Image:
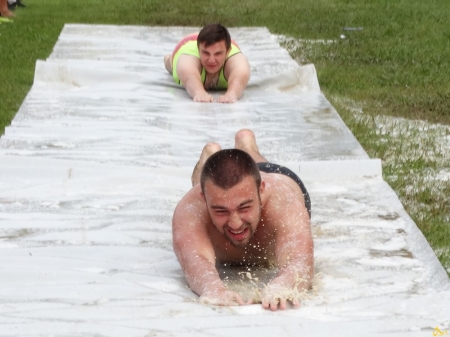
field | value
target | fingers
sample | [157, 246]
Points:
[270, 305]
[204, 98]
[279, 303]
[273, 304]
[226, 99]
[275, 298]
[282, 303]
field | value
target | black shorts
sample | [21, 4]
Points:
[275, 168]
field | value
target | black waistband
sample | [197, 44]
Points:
[275, 168]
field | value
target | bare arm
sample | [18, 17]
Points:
[237, 71]
[188, 70]
[195, 253]
[294, 253]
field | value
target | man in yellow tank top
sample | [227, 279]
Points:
[209, 60]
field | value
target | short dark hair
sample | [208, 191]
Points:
[226, 168]
[214, 33]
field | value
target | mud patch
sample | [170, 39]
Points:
[389, 216]
[389, 253]
[20, 233]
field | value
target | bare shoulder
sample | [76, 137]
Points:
[190, 207]
[283, 201]
[237, 62]
[282, 188]
[189, 225]
[188, 63]
[238, 58]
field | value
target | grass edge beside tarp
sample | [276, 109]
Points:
[426, 200]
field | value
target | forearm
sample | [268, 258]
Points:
[297, 274]
[203, 279]
[194, 87]
[236, 86]
[202, 275]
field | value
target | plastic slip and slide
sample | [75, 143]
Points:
[102, 150]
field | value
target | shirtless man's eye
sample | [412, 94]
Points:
[221, 211]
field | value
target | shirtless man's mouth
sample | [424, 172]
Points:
[239, 237]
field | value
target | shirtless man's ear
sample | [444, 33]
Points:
[262, 187]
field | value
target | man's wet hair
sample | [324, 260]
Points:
[227, 168]
[213, 33]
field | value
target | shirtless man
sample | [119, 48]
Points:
[244, 210]
[209, 60]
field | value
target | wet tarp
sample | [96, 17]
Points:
[102, 150]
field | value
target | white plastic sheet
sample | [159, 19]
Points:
[101, 151]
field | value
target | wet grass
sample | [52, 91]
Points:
[397, 66]
[415, 156]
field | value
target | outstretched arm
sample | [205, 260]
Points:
[295, 257]
[195, 253]
[188, 70]
[237, 71]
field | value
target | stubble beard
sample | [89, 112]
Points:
[252, 230]
[239, 244]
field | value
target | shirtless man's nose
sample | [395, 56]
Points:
[235, 222]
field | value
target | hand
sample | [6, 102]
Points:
[222, 297]
[227, 98]
[203, 97]
[274, 295]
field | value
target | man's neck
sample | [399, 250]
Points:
[212, 75]
[211, 80]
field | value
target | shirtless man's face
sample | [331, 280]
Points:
[213, 57]
[235, 212]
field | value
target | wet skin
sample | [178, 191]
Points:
[237, 226]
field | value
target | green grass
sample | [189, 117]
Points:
[398, 65]
[414, 155]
